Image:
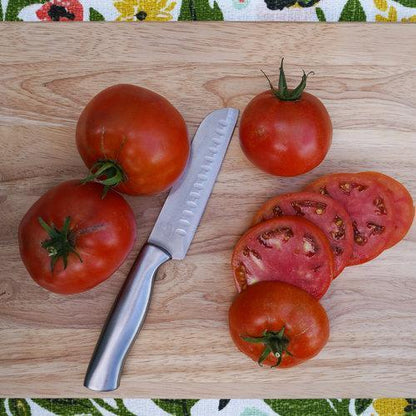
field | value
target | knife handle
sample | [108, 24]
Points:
[124, 321]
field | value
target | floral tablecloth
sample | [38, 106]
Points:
[223, 407]
[239, 10]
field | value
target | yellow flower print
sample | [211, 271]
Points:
[138, 10]
[392, 16]
[411, 19]
[381, 5]
[390, 407]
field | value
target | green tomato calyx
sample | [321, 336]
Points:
[283, 92]
[61, 242]
[106, 172]
[274, 342]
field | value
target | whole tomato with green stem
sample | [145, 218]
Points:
[72, 239]
[277, 324]
[285, 132]
[132, 139]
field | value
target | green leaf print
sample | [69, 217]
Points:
[320, 14]
[311, 407]
[19, 407]
[200, 10]
[2, 401]
[68, 407]
[353, 12]
[361, 405]
[176, 407]
[120, 408]
[14, 7]
[407, 3]
[95, 16]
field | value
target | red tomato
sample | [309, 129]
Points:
[71, 239]
[133, 139]
[402, 203]
[328, 214]
[285, 132]
[287, 249]
[370, 207]
[278, 324]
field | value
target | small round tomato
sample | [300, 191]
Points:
[133, 139]
[278, 324]
[285, 132]
[71, 239]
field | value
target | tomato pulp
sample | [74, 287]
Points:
[288, 249]
[328, 214]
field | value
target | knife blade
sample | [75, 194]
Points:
[170, 238]
[183, 209]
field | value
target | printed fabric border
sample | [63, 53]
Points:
[208, 407]
[236, 10]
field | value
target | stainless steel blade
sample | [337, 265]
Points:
[183, 208]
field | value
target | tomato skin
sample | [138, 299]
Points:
[141, 131]
[104, 231]
[285, 138]
[270, 306]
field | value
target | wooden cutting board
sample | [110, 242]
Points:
[365, 75]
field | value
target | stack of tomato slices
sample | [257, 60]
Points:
[298, 244]
[307, 238]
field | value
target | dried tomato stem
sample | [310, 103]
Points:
[283, 92]
[274, 342]
[60, 242]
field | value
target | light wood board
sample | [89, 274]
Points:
[365, 75]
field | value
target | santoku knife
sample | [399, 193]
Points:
[170, 239]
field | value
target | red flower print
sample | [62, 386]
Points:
[61, 10]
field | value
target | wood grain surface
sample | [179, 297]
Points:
[365, 75]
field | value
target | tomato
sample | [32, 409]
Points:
[370, 207]
[325, 212]
[285, 132]
[278, 324]
[71, 239]
[132, 139]
[403, 206]
[289, 249]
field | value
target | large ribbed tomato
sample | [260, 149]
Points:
[132, 139]
[278, 324]
[72, 239]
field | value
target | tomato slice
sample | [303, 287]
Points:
[370, 207]
[404, 210]
[328, 214]
[287, 249]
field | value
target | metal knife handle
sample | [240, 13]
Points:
[124, 321]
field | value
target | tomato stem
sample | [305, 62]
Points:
[275, 342]
[283, 92]
[106, 172]
[60, 243]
